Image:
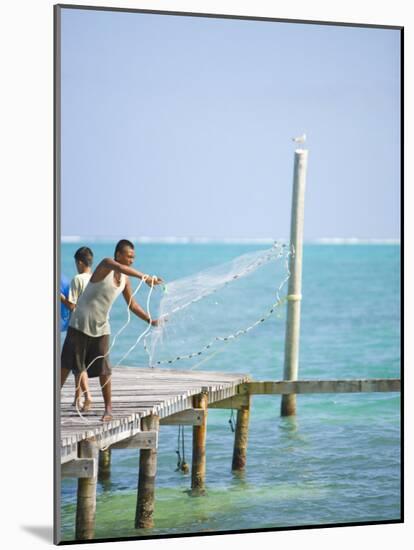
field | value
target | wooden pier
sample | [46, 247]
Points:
[138, 393]
[145, 399]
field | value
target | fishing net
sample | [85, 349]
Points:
[200, 313]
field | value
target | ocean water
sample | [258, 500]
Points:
[337, 461]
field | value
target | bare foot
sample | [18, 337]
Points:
[107, 416]
[87, 405]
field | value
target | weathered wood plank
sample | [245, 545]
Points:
[320, 386]
[236, 402]
[80, 468]
[69, 450]
[141, 440]
[189, 417]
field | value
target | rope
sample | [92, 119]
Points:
[115, 338]
[181, 463]
[231, 421]
[294, 297]
[145, 331]
[178, 450]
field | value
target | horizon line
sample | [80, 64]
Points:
[67, 239]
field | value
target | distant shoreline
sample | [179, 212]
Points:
[206, 240]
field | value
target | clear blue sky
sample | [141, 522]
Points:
[181, 126]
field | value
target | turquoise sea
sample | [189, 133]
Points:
[337, 461]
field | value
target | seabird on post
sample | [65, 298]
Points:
[300, 139]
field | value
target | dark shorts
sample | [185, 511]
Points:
[79, 350]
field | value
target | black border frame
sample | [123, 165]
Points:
[56, 267]
[56, 264]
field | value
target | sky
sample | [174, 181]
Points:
[182, 126]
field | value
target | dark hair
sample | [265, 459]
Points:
[123, 243]
[84, 255]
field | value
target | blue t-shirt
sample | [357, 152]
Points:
[64, 311]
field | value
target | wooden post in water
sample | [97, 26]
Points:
[146, 478]
[291, 365]
[86, 501]
[104, 470]
[198, 465]
[240, 438]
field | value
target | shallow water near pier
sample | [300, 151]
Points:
[337, 461]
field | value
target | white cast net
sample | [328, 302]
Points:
[215, 307]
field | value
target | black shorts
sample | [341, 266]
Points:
[82, 353]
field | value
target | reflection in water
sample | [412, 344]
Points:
[289, 429]
[106, 484]
[239, 478]
[288, 424]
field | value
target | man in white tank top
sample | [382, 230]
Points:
[87, 341]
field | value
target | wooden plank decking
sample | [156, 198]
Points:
[136, 393]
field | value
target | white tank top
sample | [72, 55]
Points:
[91, 315]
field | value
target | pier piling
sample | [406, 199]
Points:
[198, 466]
[86, 497]
[104, 470]
[146, 478]
[291, 364]
[240, 438]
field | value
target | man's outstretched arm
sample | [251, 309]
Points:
[111, 264]
[135, 307]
